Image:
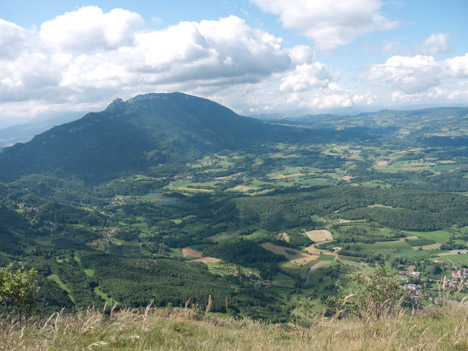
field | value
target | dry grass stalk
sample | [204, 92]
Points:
[435, 328]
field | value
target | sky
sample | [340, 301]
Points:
[253, 56]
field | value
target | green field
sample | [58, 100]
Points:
[439, 236]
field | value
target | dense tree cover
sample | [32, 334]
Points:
[411, 210]
[399, 218]
[137, 281]
[63, 213]
[247, 253]
[131, 279]
[15, 231]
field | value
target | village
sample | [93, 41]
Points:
[445, 290]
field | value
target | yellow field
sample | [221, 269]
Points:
[430, 247]
[188, 251]
[313, 250]
[298, 258]
[208, 259]
[290, 175]
[319, 235]
[243, 188]
[379, 205]
[195, 189]
[454, 252]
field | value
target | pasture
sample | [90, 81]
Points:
[189, 252]
[208, 260]
[319, 235]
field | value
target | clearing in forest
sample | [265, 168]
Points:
[292, 255]
[244, 188]
[454, 252]
[319, 235]
[196, 190]
[188, 251]
[208, 259]
[430, 247]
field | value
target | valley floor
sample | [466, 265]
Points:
[436, 328]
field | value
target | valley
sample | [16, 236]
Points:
[260, 221]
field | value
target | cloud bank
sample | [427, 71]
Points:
[83, 59]
[88, 57]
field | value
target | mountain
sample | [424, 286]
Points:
[137, 135]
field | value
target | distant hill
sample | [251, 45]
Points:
[148, 131]
[440, 116]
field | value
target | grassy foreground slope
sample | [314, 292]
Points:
[438, 328]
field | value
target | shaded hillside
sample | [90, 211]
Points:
[133, 136]
[13, 231]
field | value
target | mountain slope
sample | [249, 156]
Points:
[133, 136]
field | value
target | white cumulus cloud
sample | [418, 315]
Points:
[408, 74]
[13, 40]
[456, 67]
[436, 44]
[89, 28]
[86, 58]
[329, 23]
[306, 77]
[416, 74]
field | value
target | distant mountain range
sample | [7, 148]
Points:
[396, 118]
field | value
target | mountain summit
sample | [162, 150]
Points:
[131, 136]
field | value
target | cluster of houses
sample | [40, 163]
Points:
[460, 273]
[266, 283]
[22, 206]
[457, 281]
[347, 178]
[236, 273]
[415, 290]
[118, 201]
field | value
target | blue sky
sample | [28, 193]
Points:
[254, 56]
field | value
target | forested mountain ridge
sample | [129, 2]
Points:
[133, 136]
